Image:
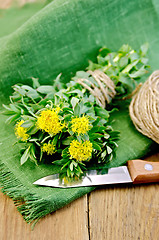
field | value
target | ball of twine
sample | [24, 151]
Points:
[144, 108]
[103, 88]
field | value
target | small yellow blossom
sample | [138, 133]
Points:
[80, 151]
[80, 125]
[57, 109]
[49, 121]
[20, 132]
[49, 148]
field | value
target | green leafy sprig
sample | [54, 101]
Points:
[66, 126]
[125, 67]
[27, 105]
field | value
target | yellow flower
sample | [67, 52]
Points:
[80, 125]
[20, 132]
[49, 122]
[49, 148]
[80, 151]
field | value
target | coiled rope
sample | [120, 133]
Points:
[103, 88]
[144, 108]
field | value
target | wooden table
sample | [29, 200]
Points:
[109, 213]
[6, 3]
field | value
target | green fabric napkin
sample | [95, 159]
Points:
[62, 37]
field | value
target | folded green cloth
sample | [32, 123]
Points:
[62, 37]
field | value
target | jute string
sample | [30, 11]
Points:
[103, 89]
[144, 108]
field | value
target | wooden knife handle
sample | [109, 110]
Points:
[143, 171]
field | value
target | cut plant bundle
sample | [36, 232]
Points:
[69, 125]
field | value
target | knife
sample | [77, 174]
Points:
[136, 172]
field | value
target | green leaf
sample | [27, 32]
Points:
[33, 139]
[104, 51]
[96, 146]
[28, 118]
[65, 165]
[101, 112]
[33, 130]
[67, 109]
[97, 129]
[75, 163]
[41, 155]
[67, 140]
[30, 110]
[81, 74]
[144, 49]
[45, 89]
[57, 84]
[109, 150]
[14, 108]
[139, 73]
[68, 117]
[123, 61]
[95, 135]
[106, 135]
[125, 48]
[25, 156]
[12, 118]
[45, 138]
[36, 83]
[103, 154]
[6, 107]
[92, 66]
[55, 139]
[71, 166]
[76, 91]
[130, 66]
[77, 110]
[32, 151]
[68, 172]
[65, 152]
[127, 83]
[133, 56]
[28, 124]
[33, 94]
[74, 102]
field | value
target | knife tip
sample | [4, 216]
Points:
[35, 183]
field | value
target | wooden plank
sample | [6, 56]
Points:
[70, 222]
[125, 213]
[7, 3]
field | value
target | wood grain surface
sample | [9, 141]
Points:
[112, 213]
[7, 3]
[69, 223]
[109, 213]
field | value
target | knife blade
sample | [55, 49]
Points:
[136, 172]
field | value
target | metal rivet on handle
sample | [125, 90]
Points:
[148, 167]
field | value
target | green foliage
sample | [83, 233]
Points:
[125, 67]
[78, 119]
[28, 102]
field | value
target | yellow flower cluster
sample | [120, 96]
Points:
[49, 148]
[80, 125]
[80, 151]
[49, 121]
[20, 132]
